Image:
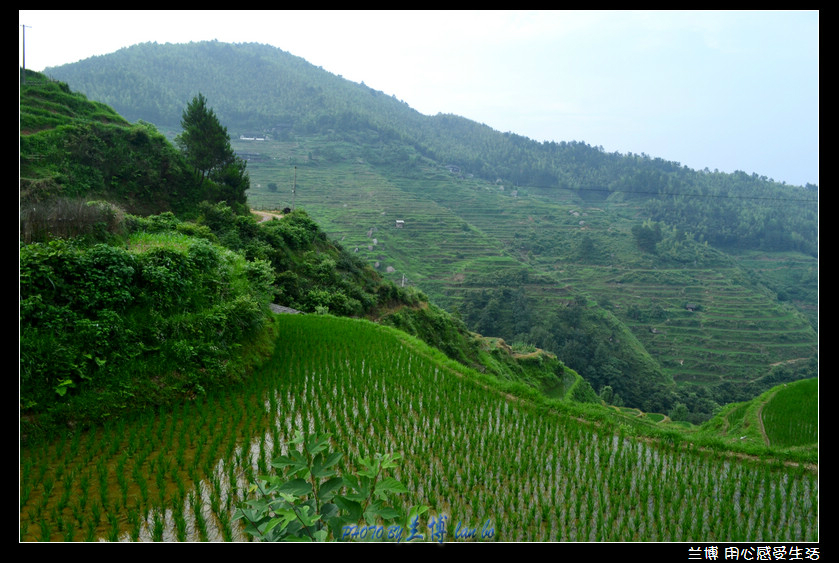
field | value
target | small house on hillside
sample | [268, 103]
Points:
[400, 223]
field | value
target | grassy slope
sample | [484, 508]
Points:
[448, 250]
[461, 234]
[784, 418]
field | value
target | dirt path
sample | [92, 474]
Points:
[792, 361]
[266, 216]
[760, 419]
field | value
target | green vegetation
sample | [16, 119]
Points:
[305, 504]
[258, 88]
[486, 216]
[536, 469]
[105, 328]
[784, 418]
[206, 147]
[511, 267]
[128, 312]
[71, 147]
[156, 385]
[791, 416]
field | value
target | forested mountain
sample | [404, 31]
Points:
[659, 284]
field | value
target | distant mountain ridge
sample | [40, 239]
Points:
[253, 86]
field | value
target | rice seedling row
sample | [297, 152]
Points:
[474, 454]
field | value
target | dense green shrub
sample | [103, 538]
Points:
[111, 327]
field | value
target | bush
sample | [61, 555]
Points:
[167, 316]
[309, 501]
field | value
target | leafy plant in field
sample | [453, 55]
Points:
[309, 501]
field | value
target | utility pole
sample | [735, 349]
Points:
[23, 78]
[294, 188]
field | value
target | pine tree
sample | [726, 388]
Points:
[206, 147]
[204, 140]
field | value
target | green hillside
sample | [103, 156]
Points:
[126, 311]
[636, 272]
[263, 91]
[784, 417]
[72, 147]
[156, 383]
[512, 262]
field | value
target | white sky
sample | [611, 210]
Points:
[722, 90]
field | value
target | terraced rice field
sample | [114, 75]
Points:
[460, 234]
[471, 452]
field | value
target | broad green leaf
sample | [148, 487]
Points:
[291, 499]
[249, 514]
[332, 459]
[384, 512]
[282, 519]
[316, 444]
[298, 438]
[320, 469]
[350, 506]
[307, 516]
[281, 462]
[391, 485]
[351, 481]
[328, 487]
[297, 487]
[388, 461]
[329, 511]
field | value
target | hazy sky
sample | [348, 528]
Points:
[722, 90]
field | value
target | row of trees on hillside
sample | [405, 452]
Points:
[729, 210]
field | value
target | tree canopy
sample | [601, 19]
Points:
[206, 147]
[204, 140]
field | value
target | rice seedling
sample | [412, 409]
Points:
[158, 526]
[134, 524]
[197, 504]
[90, 531]
[180, 526]
[69, 533]
[113, 530]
